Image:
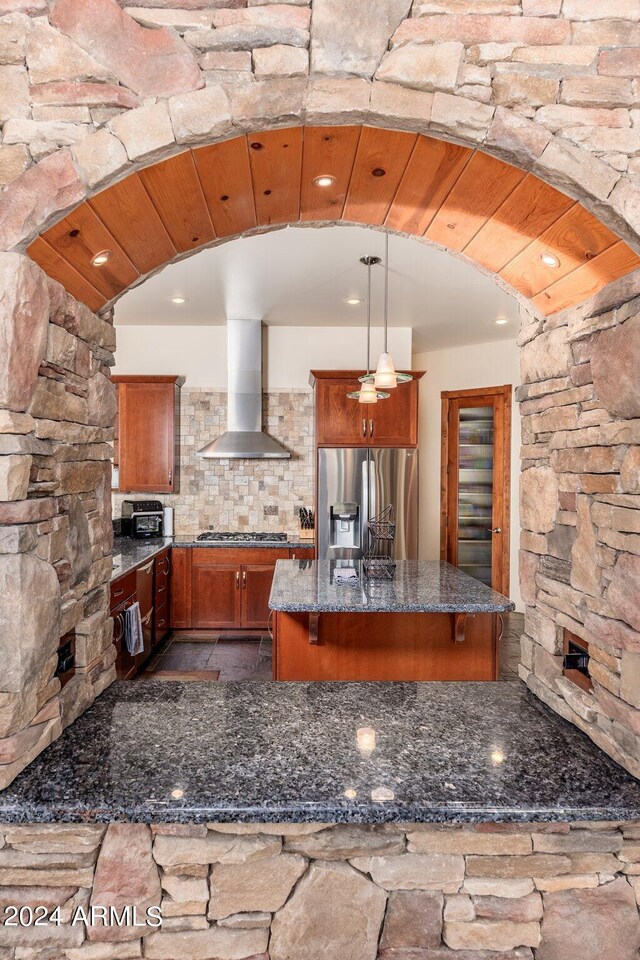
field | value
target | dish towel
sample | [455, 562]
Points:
[133, 630]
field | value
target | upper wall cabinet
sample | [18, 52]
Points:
[342, 422]
[148, 434]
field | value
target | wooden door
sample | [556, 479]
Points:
[216, 596]
[180, 588]
[147, 437]
[256, 587]
[476, 483]
[339, 420]
[394, 422]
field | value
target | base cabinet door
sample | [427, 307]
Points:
[256, 587]
[216, 596]
[125, 662]
[180, 588]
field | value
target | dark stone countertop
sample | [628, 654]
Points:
[135, 552]
[252, 544]
[157, 751]
[418, 586]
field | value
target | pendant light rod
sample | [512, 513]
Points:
[386, 376]
[369, 262]
[386, 290]
[368, 392]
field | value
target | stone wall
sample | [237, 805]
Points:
[580, 514]
[288, 892]
[548, 84]
[56, 425]
[242, 494]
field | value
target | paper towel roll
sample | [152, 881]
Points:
[167, 521]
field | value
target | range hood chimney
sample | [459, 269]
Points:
[244, 439]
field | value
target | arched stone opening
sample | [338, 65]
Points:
[578, 508]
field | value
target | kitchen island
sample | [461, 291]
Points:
[430, 621]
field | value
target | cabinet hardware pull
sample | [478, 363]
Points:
[494, 529]
[293, 555]
[118, 593]
[170, 477]
[237, 579]
[168, 565]
[244, 579]
[364, 428]
[160, 590]
[370, 428]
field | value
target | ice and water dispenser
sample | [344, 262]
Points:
[344, 526]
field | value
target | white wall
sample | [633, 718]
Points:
[199, 353]
[481, 365]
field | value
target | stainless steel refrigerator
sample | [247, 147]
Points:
[356, 484]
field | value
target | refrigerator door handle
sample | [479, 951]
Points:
[364, 506]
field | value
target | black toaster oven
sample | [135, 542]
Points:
[141, 519]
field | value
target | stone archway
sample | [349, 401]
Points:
[580, 559]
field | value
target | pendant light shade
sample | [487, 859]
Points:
[368, 392]
[386, 377]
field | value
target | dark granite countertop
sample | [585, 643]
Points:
[157, 751]
[135, 552]
[418, 586]
[235, 544]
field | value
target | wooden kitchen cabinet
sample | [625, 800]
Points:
[216, 602]
[229, 587]
[123, 595]
[256, 587]
[180, 588]
[161, 597]
[148, 431]
[342, 422]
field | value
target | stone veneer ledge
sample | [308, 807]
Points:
[286, 891]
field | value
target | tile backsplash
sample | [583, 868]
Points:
[239, 495]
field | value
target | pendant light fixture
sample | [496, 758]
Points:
[386, 377]
[368, 392]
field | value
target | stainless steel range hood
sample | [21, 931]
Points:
[244, 440]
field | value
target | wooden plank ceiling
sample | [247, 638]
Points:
[464, 200]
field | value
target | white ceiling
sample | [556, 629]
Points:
[298, 276]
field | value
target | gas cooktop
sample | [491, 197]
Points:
[244, 537]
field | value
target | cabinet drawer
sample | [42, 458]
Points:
[212, 556]
[161, 622]
[122, 588]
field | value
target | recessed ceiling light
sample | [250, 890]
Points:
[549, 260]
[101, 258]
[352, 301]
[500, 321]
[325, 180]
[178, 299]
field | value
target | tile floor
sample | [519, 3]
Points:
[235, 659]
[250, 659]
